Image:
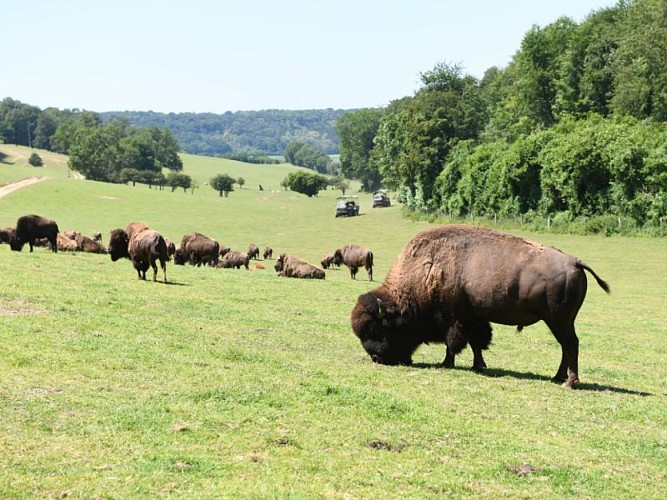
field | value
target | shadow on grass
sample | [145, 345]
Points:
[499, 372]
[175, 283]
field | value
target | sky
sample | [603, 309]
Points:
[217, 56]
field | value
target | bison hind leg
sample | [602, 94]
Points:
[480, 339]
[456, 341]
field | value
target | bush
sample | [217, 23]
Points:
[35, 160]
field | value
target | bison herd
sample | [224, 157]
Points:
[447, 286]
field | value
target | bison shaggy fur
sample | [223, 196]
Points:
[354, 257]
[449, 283]
[32, 227]
[144, 249]
[294, 267]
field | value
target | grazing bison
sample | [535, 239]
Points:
[354, 257]
[6, 233]
[293, 267]
[171, 248]
[197, 249]
[234, 259]
[144, 249]
[328, 260]
[31, 227]
[268, 253]
[253, 251]
[449, 283]
[89, 245]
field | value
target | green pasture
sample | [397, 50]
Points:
[242, 384]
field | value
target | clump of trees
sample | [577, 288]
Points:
[35, 160]
[223, 184]
[306, 183]
[573, 127]
[304, 155]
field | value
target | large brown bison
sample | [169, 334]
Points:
[31, 227]
[197, 249]
[234, 259]
[449, 283]
[144, 249]
[354, 257]
[294, 267]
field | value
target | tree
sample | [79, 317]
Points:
[96, 153]
[35, 160]
[223, 184]
[305, 155]
[131, 175]
[305, 183]
[356, 132]
[177, 180]
[240, 181]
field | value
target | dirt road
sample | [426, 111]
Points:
[16, 185]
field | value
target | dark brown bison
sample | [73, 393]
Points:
[144, 249]
[224, 250]
[449, 283]
[293, 267]
[354, 257]
[268, 253]
[6, 233]
[328, 260]
[234, 259]
[253, 251]
[197, 249]
[31, 227]
[88, 245]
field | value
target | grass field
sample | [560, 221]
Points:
[242, 384]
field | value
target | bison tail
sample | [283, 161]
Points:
[603, 284]
[369, 259]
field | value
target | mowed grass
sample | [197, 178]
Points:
[234, 383]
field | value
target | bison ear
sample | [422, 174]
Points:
[382, 309]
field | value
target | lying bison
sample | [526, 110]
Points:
[144, 249]
[354, 257]
[32, 227]
[293, 267]
[197, 249]
[451, 282]
[89, 245]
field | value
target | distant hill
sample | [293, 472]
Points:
[266, 131]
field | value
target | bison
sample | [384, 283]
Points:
[6, 233]
[197, 249]
[354, 257]
[144, 249]
[65, 244]
[253, 251]
[449, 283]
[293, 267]
[31, 227]
[268, 253]
[89, 245]
[234, 259]
[328, 261]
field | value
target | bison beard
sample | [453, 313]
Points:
[450, 283]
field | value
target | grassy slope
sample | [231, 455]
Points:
[235, 383]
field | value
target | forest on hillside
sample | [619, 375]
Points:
[571, 131]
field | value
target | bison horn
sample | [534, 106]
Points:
[382, 309]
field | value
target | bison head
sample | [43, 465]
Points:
[280, 263]
[383, 330]
[179, 256]
[16, 243]
[118, 245]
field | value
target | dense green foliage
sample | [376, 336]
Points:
[266, 131]
[307, 183]
[573, 127]
[223, 184]
[302, 154]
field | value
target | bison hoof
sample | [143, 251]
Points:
[478, 369]
[571, 383]
[448, 363]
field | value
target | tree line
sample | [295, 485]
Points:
[573, 127]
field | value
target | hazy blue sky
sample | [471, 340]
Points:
[217, 56]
